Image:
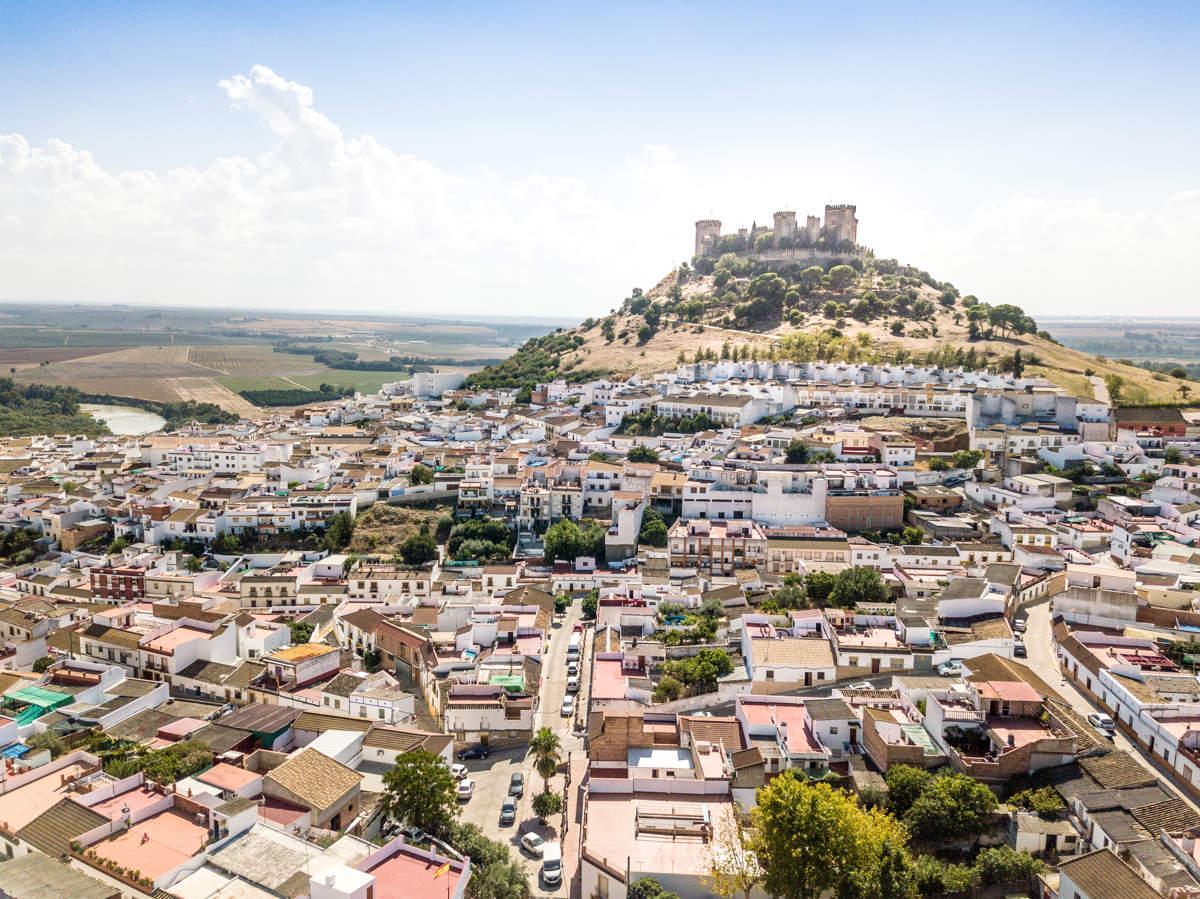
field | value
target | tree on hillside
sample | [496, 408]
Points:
[810, 279]
[421, 791]
[338, 532]
[858, 585]
[419, 548]
[1115, 385]
[841, 276]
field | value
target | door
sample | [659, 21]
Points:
[808, 678]
[874, 666]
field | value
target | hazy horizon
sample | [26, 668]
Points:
[544, 159]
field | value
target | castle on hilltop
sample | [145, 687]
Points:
[837, 236]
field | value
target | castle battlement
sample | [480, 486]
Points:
[837, 235]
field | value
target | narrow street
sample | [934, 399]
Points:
[492, 775]
[1043, 661]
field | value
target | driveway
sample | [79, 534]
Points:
[1039, 641]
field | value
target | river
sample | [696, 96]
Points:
[126, 420]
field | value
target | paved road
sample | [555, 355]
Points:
[492, 775]
[1042, 659]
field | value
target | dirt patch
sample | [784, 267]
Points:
[207, 390]
[382, 528]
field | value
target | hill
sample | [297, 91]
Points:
[859, 308]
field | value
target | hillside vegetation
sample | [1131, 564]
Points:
[855, 310]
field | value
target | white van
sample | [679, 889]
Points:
[552, 864]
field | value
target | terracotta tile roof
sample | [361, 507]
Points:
[792, 652]
[1117, 770]
[404, 740]
[315, 778]
[53, 830]
[727, 731]
[1101, 874]
[319, 722]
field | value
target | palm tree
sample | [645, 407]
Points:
[546, 747]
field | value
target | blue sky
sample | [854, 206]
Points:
[548, 157]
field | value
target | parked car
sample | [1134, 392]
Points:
[1019, 625]
[1102, 723]
[572, 685]
[552, 864]
[508, 811]
[473, 752]
[568, 706]
[413, 834]
[459, 771]
[532, 843]
[572, 668]
[952, 668]
[1019, 650]
[516, 784]
[466, 789]
[862, 685]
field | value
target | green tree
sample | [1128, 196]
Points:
[546, 805]
[701, 671]
[420, 474]
[589, 604]
[40, 665]
[338, 532]
[668, 690]
[642, 454]
[905, 785]
[1002, 864]
[419, 548]
[841, 276]
[654, 529]
[649, 888]
[797, 453]
[563, 541]
[810, 279]
[1173, 456]
[951, 806]
[421, 791]
[495, 874]
[546, 749]
[1045, 802]
[811, 838]
[858, 585]
[819, 585]
[301, 631]
[1115, 384]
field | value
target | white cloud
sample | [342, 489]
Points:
[321, 220]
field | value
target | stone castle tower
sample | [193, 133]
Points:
[785, 226]
[708, 234]
[840, 223]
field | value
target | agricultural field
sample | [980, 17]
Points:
[210, 355]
